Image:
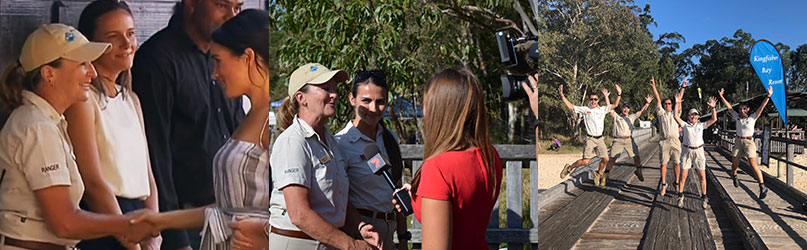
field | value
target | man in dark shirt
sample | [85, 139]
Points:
[187, 117]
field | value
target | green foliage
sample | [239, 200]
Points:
[586, 45]
[797, 73]
[407, 39]
[725, 64]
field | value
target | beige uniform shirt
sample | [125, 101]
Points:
[299, 157]
[667, 123]
[622, 127]
[35, 154]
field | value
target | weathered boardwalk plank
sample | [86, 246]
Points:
[774, 219]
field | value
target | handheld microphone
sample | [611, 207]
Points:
[379, 165]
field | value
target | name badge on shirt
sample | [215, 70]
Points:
[324, 159]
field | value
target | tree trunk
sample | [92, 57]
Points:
[397, 125]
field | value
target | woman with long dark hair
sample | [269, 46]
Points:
[369, 192]
[107, 129]
[241, 171]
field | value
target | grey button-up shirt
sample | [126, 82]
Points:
[367, 190]
[299, 157]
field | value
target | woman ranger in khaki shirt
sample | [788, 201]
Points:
[41, 185]
[310, 184]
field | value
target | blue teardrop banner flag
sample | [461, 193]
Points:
[767, 63]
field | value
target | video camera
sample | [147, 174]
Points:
[510, 55]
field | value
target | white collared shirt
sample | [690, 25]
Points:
[367, 190]
[35, 154]
[745, 126]
[693, 134]
[300, 158]
[594, 118]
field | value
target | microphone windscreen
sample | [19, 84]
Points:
[370, 150]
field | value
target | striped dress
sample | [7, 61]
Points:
[242, 182]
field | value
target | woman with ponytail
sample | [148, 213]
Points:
[458, 184]
[40, 184]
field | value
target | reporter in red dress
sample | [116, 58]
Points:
[458, 184]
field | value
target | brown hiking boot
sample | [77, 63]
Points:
[604, 177]
[597, 178]
[565, 171]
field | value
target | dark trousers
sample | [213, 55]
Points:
[126, 205]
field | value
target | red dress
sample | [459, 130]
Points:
[461, 177]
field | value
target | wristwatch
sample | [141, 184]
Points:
[407, 236]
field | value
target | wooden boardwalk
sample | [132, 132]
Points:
[630, 214]
[776, 219]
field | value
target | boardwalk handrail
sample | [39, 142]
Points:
[514, 158]
[726, 142]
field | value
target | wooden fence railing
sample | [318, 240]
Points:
[514, 159]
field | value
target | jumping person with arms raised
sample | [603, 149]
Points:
[744, 146]
[594, 117]
[693, 155]
[669, 145]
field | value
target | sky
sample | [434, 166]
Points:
[699, 21]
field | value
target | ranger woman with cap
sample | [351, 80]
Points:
[310, 182]
[693, 155]
[40, 184]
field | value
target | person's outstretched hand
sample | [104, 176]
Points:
[532, 93]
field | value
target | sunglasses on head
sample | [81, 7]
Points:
[363, 75]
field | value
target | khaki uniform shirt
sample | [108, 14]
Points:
[667, 123]
[35, 154]
[622, 127]
[299, 157]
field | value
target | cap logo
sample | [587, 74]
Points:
[312, 69]
[69, 36]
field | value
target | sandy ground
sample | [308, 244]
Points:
[549, 167]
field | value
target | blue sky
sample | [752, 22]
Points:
[699, 21]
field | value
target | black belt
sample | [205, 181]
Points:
[595, 137]
[378, 215]
[695, 147]
[33, 245]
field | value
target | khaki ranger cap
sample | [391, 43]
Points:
[53, 41]
[313, 73]
[694, 112]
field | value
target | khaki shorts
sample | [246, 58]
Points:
[744, 148]
[591, 145]
[620, 145]
[670, 149]
[693, 158]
